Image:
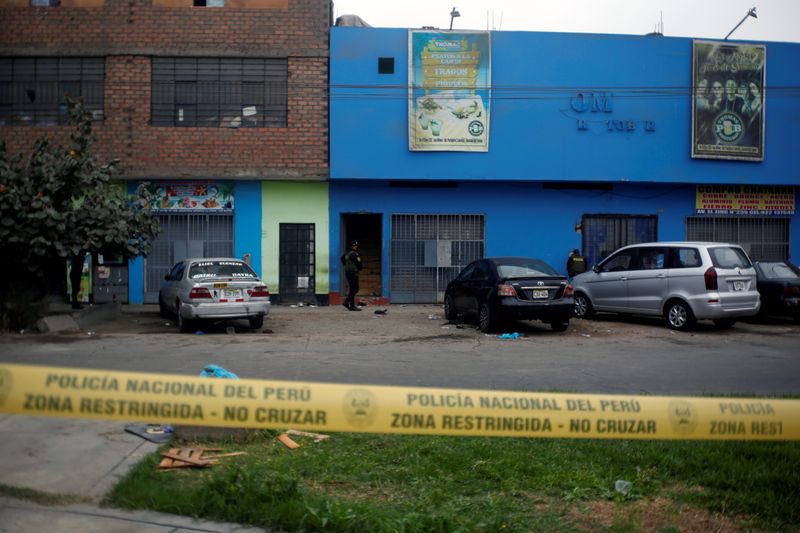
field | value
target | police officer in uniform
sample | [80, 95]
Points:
[576, 264]
[352, 265]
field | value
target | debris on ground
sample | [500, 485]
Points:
[151, 432]
[509, 336]
[266, 330]
[433, 317]
[214, 371]
[459, 326]
[585, 335]
[287, 441]
[381, 311]
[622, 486]
[316, 436]
[192, 457]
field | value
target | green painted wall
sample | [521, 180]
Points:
[300, 203]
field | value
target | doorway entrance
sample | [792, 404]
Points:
[366, 229]
[297, 263]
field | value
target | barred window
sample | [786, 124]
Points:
[33, 90]
[219, 92]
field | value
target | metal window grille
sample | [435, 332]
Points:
[602, 234]
[763, 238]
[219, 92]
[297, 264]
[428, 251]
[183, 236]
[33, 90]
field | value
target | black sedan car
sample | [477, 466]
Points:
[501, 289]
[779, 286]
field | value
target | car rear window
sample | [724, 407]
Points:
[778, 271]
[221, 269]
[729, 257]
[525, 269]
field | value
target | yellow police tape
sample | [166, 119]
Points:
[249, 403]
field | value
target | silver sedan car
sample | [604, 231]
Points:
[213, 289]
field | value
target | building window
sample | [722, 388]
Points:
[45, 3]
[385, 65]
[209, 3]
[33, 90]
[219, 92]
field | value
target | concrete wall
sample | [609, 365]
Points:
[534, 134]
[303, 203]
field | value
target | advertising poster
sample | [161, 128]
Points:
[745, 200]
[729, 99]
[449, 76]
[187, 196]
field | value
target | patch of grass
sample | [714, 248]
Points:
[42, 498]
[355, 482]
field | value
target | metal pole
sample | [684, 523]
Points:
[751, 13]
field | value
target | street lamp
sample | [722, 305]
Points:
[751, 13]
[453, 14]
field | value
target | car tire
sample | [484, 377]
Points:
[486, 321]
[163, 311]
[449, 308]
[724, 323]
[256, 322]
[583, 306]
[679, 316]
[184, 325]
[559, 326]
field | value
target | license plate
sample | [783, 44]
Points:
[232, 293]
[540, 293]
[738, 285]
[220, 285]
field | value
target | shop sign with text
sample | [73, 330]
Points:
[744, 200]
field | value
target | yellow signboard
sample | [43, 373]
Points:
[248, 403]
[744, 200]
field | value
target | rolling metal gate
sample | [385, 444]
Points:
[183, 236]
[602, 234]
[763, 238]
[428, 251]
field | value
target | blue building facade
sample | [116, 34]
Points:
[590, 147]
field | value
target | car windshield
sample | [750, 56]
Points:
[221, 269]
[524, 268]
[778, 271]
[729, 257]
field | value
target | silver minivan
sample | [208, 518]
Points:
[681, 281]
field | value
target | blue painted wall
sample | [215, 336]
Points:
[521, 218]
[534, 135]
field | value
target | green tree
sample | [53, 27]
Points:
[59, 202]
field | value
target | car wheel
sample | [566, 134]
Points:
[256, 322]
[583, 307]
[449, 308]
[679, 315]
[486, 320]
[184, 325]
[559, 326]
[163, 311]
[724, 323]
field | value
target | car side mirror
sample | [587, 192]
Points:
[596, 269]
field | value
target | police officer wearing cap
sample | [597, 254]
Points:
[352, 265]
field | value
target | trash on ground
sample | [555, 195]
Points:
[214, 371]
[293, 306]
[585, 335]
[198, 332]
[287, 441]
[433, 317]
[622, 486]
[167, 323]
[381, 311]
[266, 330]
[509, 336]
[90, 333]
[459, 326]
[316, 436]
[230, 330]
[445, 327]
[192, 457]
[151, 432]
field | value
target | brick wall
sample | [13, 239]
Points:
[128, 33]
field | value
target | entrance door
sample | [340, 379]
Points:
[297, 263]
[183, 236]
[366, 229]
[603, 234]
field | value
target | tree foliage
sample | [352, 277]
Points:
[61, 201]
